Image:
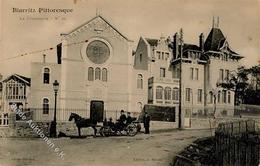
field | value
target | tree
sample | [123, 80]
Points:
[237, 82]
[255, 72]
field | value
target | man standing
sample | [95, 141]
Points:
[146, 121]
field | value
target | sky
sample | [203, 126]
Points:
[21, 33]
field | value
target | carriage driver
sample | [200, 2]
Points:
[128, 118]
[122, 118]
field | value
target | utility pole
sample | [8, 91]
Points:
[180, 81]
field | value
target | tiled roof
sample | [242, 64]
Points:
[214, 40]
[191, 47]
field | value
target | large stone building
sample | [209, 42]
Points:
[100, 74]
[94, 69]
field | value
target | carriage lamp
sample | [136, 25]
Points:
[53, 131]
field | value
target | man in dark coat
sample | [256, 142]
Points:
[146, 121]
[122, 119]
[128, 118]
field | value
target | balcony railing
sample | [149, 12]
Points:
[163, 80]
[16, 97]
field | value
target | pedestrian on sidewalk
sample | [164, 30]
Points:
[146, 121]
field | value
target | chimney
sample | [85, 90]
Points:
[202, 41]
[44, 58]
[176, 45]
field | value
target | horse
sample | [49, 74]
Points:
[82, 122]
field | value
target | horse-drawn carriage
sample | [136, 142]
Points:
[108, 129]
[117, 129]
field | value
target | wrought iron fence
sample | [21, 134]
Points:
[38, 114]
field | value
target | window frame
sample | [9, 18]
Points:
[90, 71]
[104, 74]
[199, 97]
[159, 93]
[45, 106]
[97, 73]
[188, 94]
[162, 72]
[139, 81]
[196, 74]
[191, 73]
[175, 94]
[167, 93]
[46, 74]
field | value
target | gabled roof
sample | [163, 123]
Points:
[214, 39]
[98, 16]
[24, 79]
[152, 42]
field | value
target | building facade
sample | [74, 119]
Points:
[99, 73]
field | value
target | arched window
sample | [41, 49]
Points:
[45, 106]
[175, 94]
[90, 74]
[97, 73]
[167, 93]
[159, 92]
[139, 81]
[104, 74]
[46, 76]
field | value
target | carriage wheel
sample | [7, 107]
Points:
[131, 130]
[101, 131]
[105, 131]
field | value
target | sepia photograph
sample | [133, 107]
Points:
[129, 83]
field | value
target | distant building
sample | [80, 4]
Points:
[99, 73]
[203, 68]
[15, 90]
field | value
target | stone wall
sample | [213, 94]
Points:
[22, 129]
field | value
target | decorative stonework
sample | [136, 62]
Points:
[98, 25]
[98, 52]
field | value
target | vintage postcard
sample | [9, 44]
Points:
[129, 83]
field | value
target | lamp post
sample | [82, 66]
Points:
[180, 126]
[53, 132]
